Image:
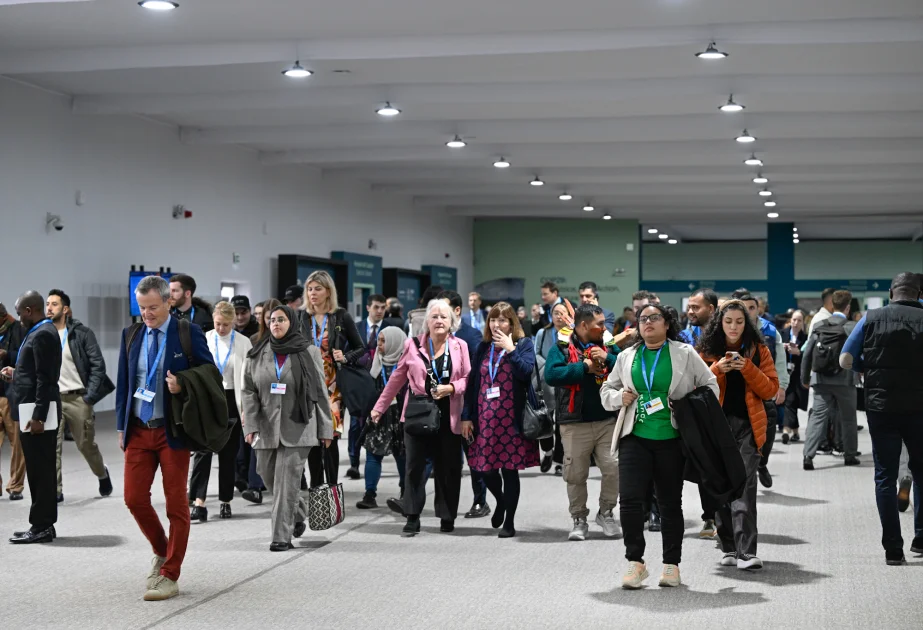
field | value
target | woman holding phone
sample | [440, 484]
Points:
[746, 373]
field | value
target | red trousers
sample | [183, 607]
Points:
[147, 449]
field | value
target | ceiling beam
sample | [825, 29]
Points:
[871, 203]
[553, 92]
[417, 47]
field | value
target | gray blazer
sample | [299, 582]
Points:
[271, 415]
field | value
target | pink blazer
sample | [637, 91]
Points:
[412, 368]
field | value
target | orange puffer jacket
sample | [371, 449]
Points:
[762, 384]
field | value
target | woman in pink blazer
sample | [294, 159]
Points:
[436, 365]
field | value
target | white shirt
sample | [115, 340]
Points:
[222, 350]
[70, 377]
[370, 323]
[820, 316]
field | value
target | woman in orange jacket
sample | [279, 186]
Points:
[733, 348]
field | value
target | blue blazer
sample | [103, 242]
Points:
[522, 360]
[174, 361]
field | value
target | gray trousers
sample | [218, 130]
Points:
[281, 468]
[737, 529]
[836, 404]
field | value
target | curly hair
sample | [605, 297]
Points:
[713, 342]
[669, 318]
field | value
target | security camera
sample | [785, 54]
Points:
[53, 221]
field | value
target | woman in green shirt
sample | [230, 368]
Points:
[647, 376]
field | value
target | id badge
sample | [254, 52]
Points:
[445, 374]
[145, 394]
[653, 406]
[493, 392]
[277, 389]
[791, 367]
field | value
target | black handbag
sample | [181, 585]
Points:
[358, 389]
[422, 415]
[536, 421]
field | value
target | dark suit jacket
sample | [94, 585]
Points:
[174, 361]
[38, 367]
[362, 327]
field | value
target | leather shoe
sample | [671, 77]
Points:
[411, 528]
[198, 513]
[808, 464]
[851, 461]
[253, 496]
[281, 546]
[353, 473]
[299, 530]
[765, 478]
[16, 496]
[61, 498]
[54, 534]
[225, 511]
[105, 485]
[368, 502]
[396, 506]
[29, 537]
[241, 485]
[917, 545]
[478, 510]
[446, 526]
[546, 463]
[654, 525]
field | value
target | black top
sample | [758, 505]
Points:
[735, 395]
[444, 366]
[892, 352]
[38, 367]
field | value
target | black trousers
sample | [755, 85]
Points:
[227, 468]
[737, 520]
[445, 449]
[767, 447]
[642, 461]
[554, 445]
[320, 455]
[710, 505]
[40, 452]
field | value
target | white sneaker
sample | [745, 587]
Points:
[156, 564]
[729, 559]
[608, 523]
[636, 574]
[749, 563]
[670, 576]
[163, 588]
[580, 530]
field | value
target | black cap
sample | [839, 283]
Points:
[240, 301]
[293, 293]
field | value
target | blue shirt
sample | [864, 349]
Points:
[141, 376]
[475, 319]
[854, 344]
[690, 335]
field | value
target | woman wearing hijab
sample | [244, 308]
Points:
[286, 414]
[386, 437]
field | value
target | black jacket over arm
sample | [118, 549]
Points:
[38, 368]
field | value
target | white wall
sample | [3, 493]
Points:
[132, 171]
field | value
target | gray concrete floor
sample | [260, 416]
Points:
[819, 538]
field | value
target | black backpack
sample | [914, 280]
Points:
[829, 338]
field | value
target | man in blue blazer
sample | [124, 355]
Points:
[146, 384]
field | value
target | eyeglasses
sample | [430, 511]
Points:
[656, 317]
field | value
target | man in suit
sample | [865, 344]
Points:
[475, 315]
[148, 363]
[35, 380]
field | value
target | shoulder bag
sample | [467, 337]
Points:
[536, 421]
[326, 508]
[422, 415]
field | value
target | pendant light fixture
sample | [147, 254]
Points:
[765, 193]
[588, 207]
[711, 53]
[796, 240]
[772, 215]
[297, 71]
[652, 230]
[537, 181]
[753, 161]
[731, 107]
[746, 138]
[607, 217]
[565, 196]
[158, 5]
[388, 111]
[759, 179]
[456, 143]
[672, 241]
[502, 162]
[663, 236]
[769, 204]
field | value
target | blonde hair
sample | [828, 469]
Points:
[224, 309]
[322, 278]
[440, 304]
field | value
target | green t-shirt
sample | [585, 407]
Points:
[653, 426]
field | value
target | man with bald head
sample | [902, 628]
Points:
[34, 388]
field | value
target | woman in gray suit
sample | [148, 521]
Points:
[286, 413]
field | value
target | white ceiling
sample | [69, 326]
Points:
[602, 98]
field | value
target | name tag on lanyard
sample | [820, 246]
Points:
[653, 406]
[277, 389]
[144, 394]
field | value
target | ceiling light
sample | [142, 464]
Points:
[731, 107]
[456, 143]
[772, 215]
[769, 204]
[652, 230]
[607, 217]
[502, 163]
[765, 193]
[794, 229]
[711, 52]
[387, 110]
[158, 5]
[537, 181]
[588, 207]
[565, 196]
[795, 241]
[759, 179]
[297, 71]
[753, 161]
[746, 138]
[672, 241]
[663, 236]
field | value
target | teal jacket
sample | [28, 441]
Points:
[576, 392]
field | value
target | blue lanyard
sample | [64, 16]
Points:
[384, 374]
[192, 313]
[152, 373]
[318, 335]
[223, 364]
[32, 330]
[432, 356]
[492, 368]
[64, 338]
[649, 377]
[279, 368]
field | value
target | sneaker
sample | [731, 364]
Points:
[156, 564]
[608, 523]
[748, 563]
[580, 530]
[851, 461]
[368, 502]
[252, 495]
[729, 559]
[708, 529]
[163, 588]
[634, 576]
[105, 485]
[670, 575]
[765, 478]
[903, 493]
[895, 559]
[808, 464]
[546, 461]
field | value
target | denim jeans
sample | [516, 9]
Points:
[353, 447]
[889, 431]
[373, 471]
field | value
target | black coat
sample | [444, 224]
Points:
[88, 359]
[10, 340]
[201, 314]
[713, 458]
[343, 334]
[38, 368]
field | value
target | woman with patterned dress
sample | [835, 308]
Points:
[496, 394]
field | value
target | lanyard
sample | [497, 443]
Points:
[492, 368]
[384, 374]
[64, 338]
[223, 364]
[152, 373]
[318, 335]
[32, 330]
[649, 377]
[192, 313]
[279, 368]
[432, 356]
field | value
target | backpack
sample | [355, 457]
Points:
[829, 338]
[185, 337]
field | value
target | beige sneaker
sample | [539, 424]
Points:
[163, 588]
[156, 565]
[670, 575]
[636, 574]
